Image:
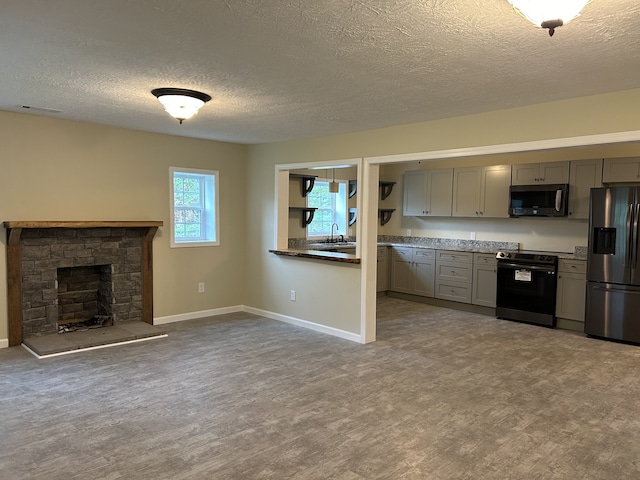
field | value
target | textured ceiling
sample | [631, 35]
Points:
[289, 69]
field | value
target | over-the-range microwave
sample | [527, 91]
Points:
[538, 200]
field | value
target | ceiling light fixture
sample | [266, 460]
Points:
[181, 103]
[549, 14]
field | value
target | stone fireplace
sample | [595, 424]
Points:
[66, 272]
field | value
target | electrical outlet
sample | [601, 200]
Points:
[351, 232]
[292, 295]
[201, 287]
[472, 236]
[408, 232]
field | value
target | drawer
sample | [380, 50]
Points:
[488, 259]
[453, 292]
[423, 254]
[451, 256]
[406, 253]
[572, 266]
[453, 272]
[382, 253]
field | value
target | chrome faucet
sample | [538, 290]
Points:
[333, 225]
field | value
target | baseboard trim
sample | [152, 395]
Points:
[336, 332]
[4, 343]
[181, 317]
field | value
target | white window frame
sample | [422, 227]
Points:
[210, 207]
[343, 224]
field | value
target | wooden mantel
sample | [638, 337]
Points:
[14, 261]
[74, 224]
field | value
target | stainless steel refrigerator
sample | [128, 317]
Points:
[613, 266]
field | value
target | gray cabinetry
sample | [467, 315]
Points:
[382, 271]
[412, 271]
[481, 191]
[427, 192]
[540, 173]
[572, 285]
[485, 279]
[621, 170]
[454, 275]
[583, 176]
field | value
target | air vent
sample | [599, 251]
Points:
[41, 109]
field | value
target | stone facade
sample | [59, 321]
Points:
[44, 251]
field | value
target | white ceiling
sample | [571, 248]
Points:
[289, 69]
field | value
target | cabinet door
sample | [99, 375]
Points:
[484, 285]
[621, 170]
[382, 278]
[571, 292]
[494, 191]
[415, 193]
[525, 174]
[424, 278]
[466, 192]
[584, 175]
[439, 193]
[554, 172]
[401, 277]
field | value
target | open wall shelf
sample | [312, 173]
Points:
[385, 188]
[307, 214]
[306, 182]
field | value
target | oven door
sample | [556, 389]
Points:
[526, 288]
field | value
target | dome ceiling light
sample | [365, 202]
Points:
[181, 103]
[549, 14]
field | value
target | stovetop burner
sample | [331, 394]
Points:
[529, 257]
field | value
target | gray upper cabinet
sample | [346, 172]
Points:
[481, 191]
[621, 170]
[428, 192]
[584, 175]
[540, 173]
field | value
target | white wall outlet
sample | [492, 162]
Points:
[351, 232]
[408, 232]
[201, 287]
[292, 295]
[472, 236]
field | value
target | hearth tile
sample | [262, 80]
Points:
[49, 344]
[141, 329]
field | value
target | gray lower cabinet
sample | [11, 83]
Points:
[485, 279]
[572, 285]
[382, 279]
[454, 275]
[412, 271]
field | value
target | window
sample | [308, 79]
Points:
[194, 207]
[331, 208]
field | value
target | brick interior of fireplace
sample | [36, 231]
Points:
[84, 293]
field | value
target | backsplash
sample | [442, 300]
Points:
[449, 243]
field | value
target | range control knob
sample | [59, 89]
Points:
[541, 258]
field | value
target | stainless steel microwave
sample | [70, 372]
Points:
[538, 200]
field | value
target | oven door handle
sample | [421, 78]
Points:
[516, 266]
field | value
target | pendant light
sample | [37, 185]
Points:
[549, 14]
[180, 103]
[333, 186]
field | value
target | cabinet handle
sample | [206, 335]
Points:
[476, 213]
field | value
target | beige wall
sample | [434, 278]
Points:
[60, 170]
[270, 278]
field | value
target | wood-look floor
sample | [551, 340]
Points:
[441, 395]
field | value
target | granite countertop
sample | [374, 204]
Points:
[326, 251]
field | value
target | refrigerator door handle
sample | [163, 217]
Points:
[628, 254]
[636, 234]
[613, 289]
